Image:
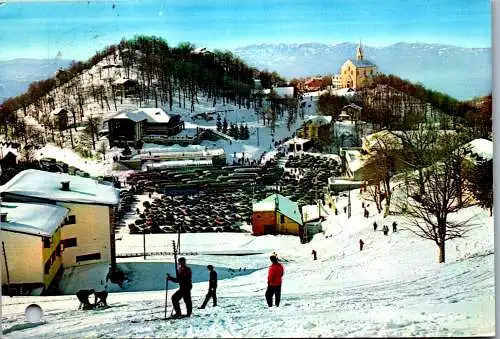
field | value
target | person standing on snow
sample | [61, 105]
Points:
[314, 254]
[212, 287]
[184, 291]
[274, 277]
[361, 243]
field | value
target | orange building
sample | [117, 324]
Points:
[276, 214]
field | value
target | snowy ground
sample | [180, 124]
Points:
[394, 287]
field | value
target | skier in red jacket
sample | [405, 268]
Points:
[274, 277]
[184, 291]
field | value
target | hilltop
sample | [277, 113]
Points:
[460, 72]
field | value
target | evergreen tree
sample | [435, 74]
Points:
[480, 181]
[219, 123]
[241, 133]
[247, 132]
[224, 126]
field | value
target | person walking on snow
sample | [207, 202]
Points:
[375, 225]
[274, 277]
[361, 243]
[184, 291]
[385, 229]
[314, 254]
[212, 287]
[394, 226]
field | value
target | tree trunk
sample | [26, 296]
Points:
[441, 252]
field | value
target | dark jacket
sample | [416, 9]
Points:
[183, 278]
[213, 279]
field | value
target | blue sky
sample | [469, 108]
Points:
[78, 28]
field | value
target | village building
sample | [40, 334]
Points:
[61, 117]
[276, 214]
[351, 112]
[31, 240]
[316, 128]
[130, 127]
[313, 84]
[88, 233]
[125, 87]
[297, 144]
[355, 73]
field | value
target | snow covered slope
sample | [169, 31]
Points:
[394, 287]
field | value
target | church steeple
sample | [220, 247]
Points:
[359, 51]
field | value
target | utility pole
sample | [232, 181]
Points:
[349, 203]
[7, 270]
[144, 243]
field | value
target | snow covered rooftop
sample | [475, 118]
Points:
[320, 119]
[47, 185]
[152, 115]
[354, 160]
[35, 219]
[285, 206]
[482, 147]
[296, 141]
[180, 163]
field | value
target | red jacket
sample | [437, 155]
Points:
[274, 275]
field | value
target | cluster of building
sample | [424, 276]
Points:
[52, 221]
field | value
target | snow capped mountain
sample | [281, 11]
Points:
[460, 72]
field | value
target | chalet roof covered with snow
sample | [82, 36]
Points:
[278, 202]
[481, 147]
[354, 106]
[35, 219]
[152, 115]
[320, 119]
[296, 141]
[47, 185]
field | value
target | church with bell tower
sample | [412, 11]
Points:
[356, 73]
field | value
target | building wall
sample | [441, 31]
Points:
[92, 233]
[52, 257]
[260, 219]
[354, 76]
[24, 258]
[288, 226]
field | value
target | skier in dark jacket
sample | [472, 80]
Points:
[184, 291]
[361, 244]
[314, 254]
[375, 225]
[212, 287]
[394, 227]
[274, 277]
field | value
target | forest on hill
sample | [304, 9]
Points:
[161, 72]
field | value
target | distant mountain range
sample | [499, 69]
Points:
[17, 74]
[460, 72]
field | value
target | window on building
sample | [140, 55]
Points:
[282, 219]
[71, 242]
[70, 220]
[86, 257]
[46, 242]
